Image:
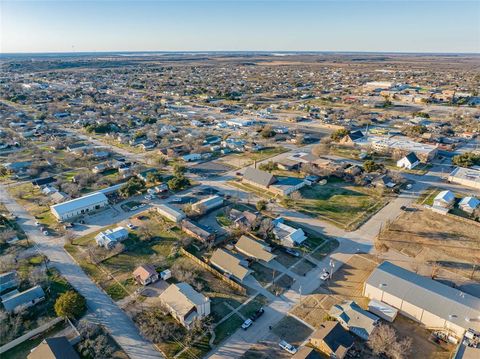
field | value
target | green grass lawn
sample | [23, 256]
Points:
[218, 309]
[342, 203]
[227, 328]
[198, 349]
[255, 304]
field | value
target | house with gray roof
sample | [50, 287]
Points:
[355, 319]
[25, 299]
[8, 280]
[278, 185]
[435, 305]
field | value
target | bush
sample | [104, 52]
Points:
[339, 134]
[261, 205]
[70, 305]
[467, 159]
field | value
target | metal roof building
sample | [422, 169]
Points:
[429, 302]
[79, 206]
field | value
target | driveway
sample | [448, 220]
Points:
[118, 324]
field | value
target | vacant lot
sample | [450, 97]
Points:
[341, 203]
[240, 160]
[346, 284]
[431, 237]
[292, 330]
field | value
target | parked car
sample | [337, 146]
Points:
[292, 252]
[131, 226]
[325, 275]
[288, 347]
[45, 233]
[37, 223]
[246, 324]
[257, 314]
[409, 186]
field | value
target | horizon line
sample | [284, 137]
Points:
[237, 51]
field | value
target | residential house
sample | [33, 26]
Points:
[230, 264]
[409, 162]
[423, 299]
[286, 234]
[469, 204]
[197, 231]
[40, 182]
[278, 185]
[351, 138]
[288, 164]
[384, 181]
[145, 274]
[54, 348]
[254, 248]
[445, 199]
[8, 280]
[111, 237]
[185, 304]
[21, 300]
[332, 340]
[355, 319]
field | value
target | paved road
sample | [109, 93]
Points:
[119, 325]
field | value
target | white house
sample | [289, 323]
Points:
[469, 204]
[444, 199]
[185, 303]
[111, 237]
[409, 161]
[192, 157]
[289, 236]
[79, 206]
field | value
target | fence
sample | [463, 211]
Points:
[30, 334]
[216, 273]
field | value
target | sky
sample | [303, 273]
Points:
[228, 25]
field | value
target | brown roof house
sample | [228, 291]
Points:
[185, 304]
[145, 274]
[230, 263]
[332, 339]
[54, 348]
[253, 248]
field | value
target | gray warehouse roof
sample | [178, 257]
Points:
[445, 302]
[82, 202]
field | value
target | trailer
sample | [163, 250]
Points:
[383, 310]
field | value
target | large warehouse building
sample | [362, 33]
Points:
[469, 177]
[429, 302]
[79, 206]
